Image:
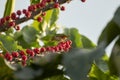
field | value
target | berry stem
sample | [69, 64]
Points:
[34, 13]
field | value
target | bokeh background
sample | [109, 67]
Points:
[89, 17]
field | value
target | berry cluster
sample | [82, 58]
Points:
[13, 19]
[83, 0]
[28, 54]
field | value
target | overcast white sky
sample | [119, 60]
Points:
[89, 17]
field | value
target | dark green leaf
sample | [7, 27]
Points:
[59, 77]
[5, 72]
[110, 32]
[24, 44]
[87, 43]
[102, 63]
[116, 17]
[42, 68]
[8, 43]
[114, 63]
[9, 8]
[29, 34]
[78, 62]
[17, 35]
[75, 36]
[27, 73]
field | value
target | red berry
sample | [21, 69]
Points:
[60, 48]
[17, 27]
[13, 16]
[21, 53]
[28, 51]
[36, 50]
[62, 8]
[11, 24]
[48, 48]
[28, 14]
[39, 19]
[24, 57]
[30, 8]
[34, 7]
[69, 42]
[42, 4]
[32, 53]
[48, 1]
[67, 46]
[56, 48]
[42, 49]
[52, 49]
[8, 56]
[83, 0]
[56, 5]
[19, 12]
[2, 20]
[7, 18]
[15, 54]
[37, 5]
[24, 11]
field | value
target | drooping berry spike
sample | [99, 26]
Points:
[30, 13]
[23, 56]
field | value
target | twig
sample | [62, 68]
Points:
[34, 13]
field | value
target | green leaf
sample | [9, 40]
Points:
[41, 68]
[114, 63]
[9, 7]
[75, 36]
[5, 72]
[48, 15]
[27, 73]
[87, 43]
[48, 21]
[9, 32]
[102, 63]
[97, 74]
[24, 44]
[29, 34]
[40, 26]
[78, 62]
[116, 17]
[34, 1]
[58, 77]
[8, 43]
[54, 17]
[18, 36]
[110, 32]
